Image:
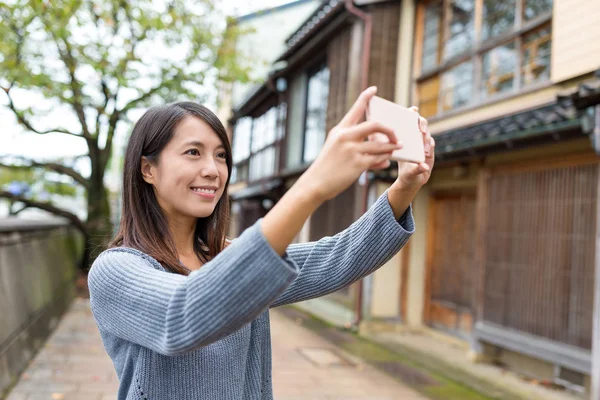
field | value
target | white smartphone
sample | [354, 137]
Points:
[405, 124]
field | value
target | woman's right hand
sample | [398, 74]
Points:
[344, 157]
[346, 154]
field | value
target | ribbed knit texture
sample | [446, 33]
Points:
[206, 335]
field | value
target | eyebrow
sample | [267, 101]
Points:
[199, 144]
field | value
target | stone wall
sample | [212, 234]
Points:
[38, 265]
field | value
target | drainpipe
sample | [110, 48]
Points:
[366, 55]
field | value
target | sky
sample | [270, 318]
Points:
[13, 141]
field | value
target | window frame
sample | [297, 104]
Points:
[475, 55]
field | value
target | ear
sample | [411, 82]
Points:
[148, 171]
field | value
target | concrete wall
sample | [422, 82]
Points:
[405, 52]
[37, 268]
[386, 281]
[417, 251]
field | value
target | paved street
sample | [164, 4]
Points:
[73, 365]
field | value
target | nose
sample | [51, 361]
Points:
[209, 169]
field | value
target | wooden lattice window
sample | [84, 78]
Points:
[539, 257]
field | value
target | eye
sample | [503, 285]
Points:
[222, 155]
[193, 152]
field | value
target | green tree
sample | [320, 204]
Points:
[101, 59]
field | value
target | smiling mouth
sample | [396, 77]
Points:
[204, 191]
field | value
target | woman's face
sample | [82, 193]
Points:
[191, 173]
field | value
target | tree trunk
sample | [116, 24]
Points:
[99, 226]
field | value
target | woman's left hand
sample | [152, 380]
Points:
[412, 176]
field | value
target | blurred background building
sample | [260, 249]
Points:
[503, 258]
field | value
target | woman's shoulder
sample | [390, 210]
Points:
[117, 256]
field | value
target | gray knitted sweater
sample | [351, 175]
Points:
[206, 335]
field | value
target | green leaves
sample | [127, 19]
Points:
[65, 49]
[104, 58]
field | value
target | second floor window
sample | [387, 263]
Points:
[264, 152]
[242, 135]
[464, 61]
[316, 112]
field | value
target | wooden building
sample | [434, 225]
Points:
[503, 258]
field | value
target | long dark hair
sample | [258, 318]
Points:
[143, 224]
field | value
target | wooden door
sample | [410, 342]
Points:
[451, 264]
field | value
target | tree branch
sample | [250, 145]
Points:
[25, 122]
[46, 206]
[112, 127]
[52, 166]
[14, 213]
[67, 58]
[145, 96]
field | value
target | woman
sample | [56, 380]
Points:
[182, 312]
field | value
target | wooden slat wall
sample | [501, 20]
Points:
[337, 61]
[334, 215]
[539, 258]
[452, 269]
[338, 213]
[384, 48]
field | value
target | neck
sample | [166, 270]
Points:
[182, 230]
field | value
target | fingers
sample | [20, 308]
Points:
[431, 146]
[422, 168]
[383, 165]
[358, 109]
[378, 147]
[424, 128]
[362, 131]
[374, 161]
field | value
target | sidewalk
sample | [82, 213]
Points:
[72, 365]
[438, 353]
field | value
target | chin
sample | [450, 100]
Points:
[203, 212]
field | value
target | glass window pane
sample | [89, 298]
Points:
[270, 126]
[535, 64]
[234, 174]
[499, 66]
[281, 119]
[258, 133]
[241, 139]
[534, 8]
[431, 36]
[498, 17]
[270, 169]
[457, 86]
[462, 28]
[316, 114]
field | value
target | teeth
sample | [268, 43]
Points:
[208, 191]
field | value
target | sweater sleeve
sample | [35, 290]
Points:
[333, 263]
[173, 314]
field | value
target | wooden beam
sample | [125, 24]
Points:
[430, 252]
[542, 164]
[595, 392]
[417, 51]
[480, 250]
[404, 275]
[545, 349]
